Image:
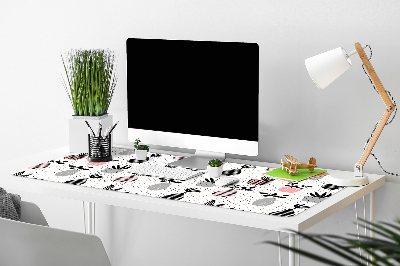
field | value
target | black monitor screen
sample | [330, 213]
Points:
[193, 87]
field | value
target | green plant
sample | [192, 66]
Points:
[91, 80]
[383, 251]
[215, 163]
[140, 147]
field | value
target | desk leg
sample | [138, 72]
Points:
[372, 210]
[292, 244]
[88, 215]
[298, 254]
[372, 214]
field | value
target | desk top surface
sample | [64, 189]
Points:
[309, 215]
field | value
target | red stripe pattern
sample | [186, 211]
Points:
[126, 178]
[258, 182]
[225, 193]
[40, 166]
[75, 157]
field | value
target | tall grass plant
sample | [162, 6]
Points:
[91, 80]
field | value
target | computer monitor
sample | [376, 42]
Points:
[199, 95]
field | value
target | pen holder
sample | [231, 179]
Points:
[99, 149]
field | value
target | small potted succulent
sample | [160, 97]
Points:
[215, 168]
[141, 151]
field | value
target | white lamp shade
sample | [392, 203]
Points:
[326, 67]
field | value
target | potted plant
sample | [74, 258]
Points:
[90, 82]
[215, 168]
[141, 151]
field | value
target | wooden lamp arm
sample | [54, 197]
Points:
[389, 109]
[371, 71]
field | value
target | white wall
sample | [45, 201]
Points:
[295, 117]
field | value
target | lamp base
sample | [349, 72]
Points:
[347, 179]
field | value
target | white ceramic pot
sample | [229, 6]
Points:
[214, 171]
[141, 155]
[78, 130]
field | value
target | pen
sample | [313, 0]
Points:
[90, 133]
[100, 128]
[89, 127]
[106, 132]
[112, 129]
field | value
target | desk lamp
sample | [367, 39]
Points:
[323, 70]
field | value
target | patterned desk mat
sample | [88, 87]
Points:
[255, 192]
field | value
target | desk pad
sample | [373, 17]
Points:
[255, 192]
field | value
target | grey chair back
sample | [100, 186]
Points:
[23, 243]
[32, 214]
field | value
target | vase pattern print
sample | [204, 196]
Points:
[179, 196]
[269, 199]
[212, 203]
[255, 192]
[207, 182]
[166, 182]
[316, 198]
[259, 182]
[292, 187]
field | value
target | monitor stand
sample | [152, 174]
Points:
[199, 160]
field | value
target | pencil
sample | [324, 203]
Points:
[106, 132]
[101, 127]
[89, 127]
[112, 128]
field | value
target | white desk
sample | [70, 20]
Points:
[297, 223]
